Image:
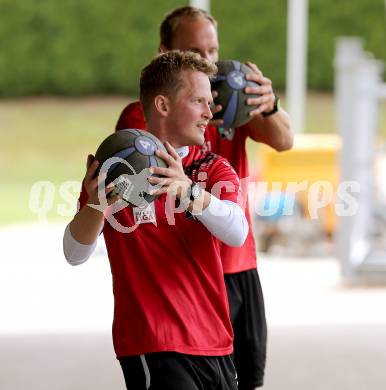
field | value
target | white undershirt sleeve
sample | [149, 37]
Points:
[226, 221]
[75, 252]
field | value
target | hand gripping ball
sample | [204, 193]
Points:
[125, 157]
[230, 83]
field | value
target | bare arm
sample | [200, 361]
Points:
[88, 222]
[273, 130]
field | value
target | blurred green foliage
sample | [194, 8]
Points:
[257, 31]
[76, 47]
[85, 47]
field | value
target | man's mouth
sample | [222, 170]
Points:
[202, 126]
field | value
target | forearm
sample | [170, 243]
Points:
[80, 236]
[274, 130]
[87, 225]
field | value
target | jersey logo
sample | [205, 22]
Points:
[200, 165]
[145, 214]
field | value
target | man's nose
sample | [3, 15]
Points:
[208, 113]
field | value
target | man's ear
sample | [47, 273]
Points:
[161, 104]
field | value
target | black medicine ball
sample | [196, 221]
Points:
[230, 83]
[124, 156]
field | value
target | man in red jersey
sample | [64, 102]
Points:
[171, 326]
[189, 28]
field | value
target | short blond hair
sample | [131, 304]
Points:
[163, 76]
[172, 20]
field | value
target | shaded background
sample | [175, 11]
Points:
[68, 68]
[83, 47]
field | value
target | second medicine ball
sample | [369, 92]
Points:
[124, 157]
[230, 83]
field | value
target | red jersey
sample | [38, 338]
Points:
[233, 148]
[168, 284]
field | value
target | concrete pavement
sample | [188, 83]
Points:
[55, 321]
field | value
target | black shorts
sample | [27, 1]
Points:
[175, 371]
[247, 311]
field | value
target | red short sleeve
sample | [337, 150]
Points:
[131, 118]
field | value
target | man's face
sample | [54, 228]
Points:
[189, 112]
[198, 35]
